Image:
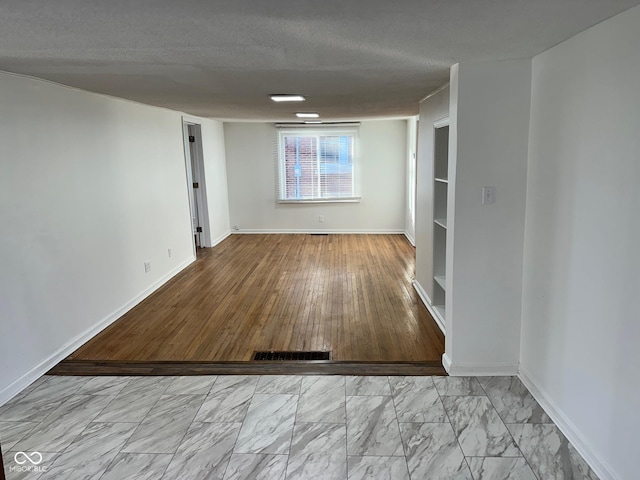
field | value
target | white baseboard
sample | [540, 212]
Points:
[446, 362]
[327, 231]
[427, 303]
[458, 369]
[481, 370]
[76, 342]
[568, 428]
[412, 240]
[217, 240]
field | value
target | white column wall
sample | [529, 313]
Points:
[489, 126]
[580, 320]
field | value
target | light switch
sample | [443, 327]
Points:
[488, 195]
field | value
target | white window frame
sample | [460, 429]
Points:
[311, 132]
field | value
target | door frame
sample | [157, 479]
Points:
[197, 173]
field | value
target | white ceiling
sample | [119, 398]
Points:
[221, 58]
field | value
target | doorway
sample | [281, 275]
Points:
[194, 163]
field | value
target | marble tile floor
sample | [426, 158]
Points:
[283, 428]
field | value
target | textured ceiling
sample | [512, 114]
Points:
[221, 58]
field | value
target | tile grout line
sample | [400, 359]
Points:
[346, 425]
[235, 443]
[205, 398]
[173, 455]
[45, 382]
[295, 416]
[113, 399]
[226, 467]
[164, 472]
[60, 454]
[25, 434]
[508, 431]
[79, 433]
[134, 430]
[454, 430]
[37, 424]
[404, 451]
[141, 421]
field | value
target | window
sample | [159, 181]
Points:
[317, 165]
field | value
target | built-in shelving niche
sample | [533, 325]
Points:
[440, 191]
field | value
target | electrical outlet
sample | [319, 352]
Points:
[236, 227]
[488, 195]
[321, 218]
[147, 267]
[169, 252]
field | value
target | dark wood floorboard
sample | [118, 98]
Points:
[348, 294]
[330, 367]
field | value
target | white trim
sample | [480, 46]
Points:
[568, 428]
[446, 362]
[309, 231]
[191, 119]
[219, 239]
[106, 95]
[323, 125]
[324, 200]
[427, 303]
[351, 131]
[443, 122]
[200, 198]
[327, 120]
[76, 342]
[189, 178]
[435, 92]
[481, 369]
[412, 240]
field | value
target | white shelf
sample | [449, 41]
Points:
[440, 207]
[441, 221]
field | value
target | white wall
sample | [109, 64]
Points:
[432, 109]
[215, 173]
[581, 326]
[90, 188]
[489, 126]
[251, 170]
[410, 179]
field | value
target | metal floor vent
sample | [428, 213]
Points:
[291, 356]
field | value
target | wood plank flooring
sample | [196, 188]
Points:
[348, 294]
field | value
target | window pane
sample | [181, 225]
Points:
[317, 166]
[300, 167]
[336, 167]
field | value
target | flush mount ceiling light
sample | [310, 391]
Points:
[307, 115]
[287, 98]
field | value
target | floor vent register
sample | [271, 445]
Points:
[291, 356]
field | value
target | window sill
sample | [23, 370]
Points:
[324, 200]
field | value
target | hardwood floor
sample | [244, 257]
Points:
[348, 294]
